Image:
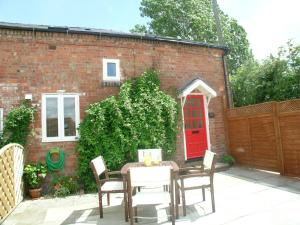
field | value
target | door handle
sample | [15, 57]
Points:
[195, 132]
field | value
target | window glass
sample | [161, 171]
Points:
[187, 113]
[51, 117]
[111, 69]
[197, 100]
[69, 116]
[192, 102]
[200, 123]
[194, 113]
[195, 124]
[200, 113]
[187, 125]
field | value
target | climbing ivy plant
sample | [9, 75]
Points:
[141, 116]
[17, 124]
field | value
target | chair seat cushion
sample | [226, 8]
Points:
[112, 186]
[150, 198]
[194, 181]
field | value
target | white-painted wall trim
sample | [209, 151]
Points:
[206, 103]
[118, 74]
[183, 100]
[198, 85]
[60, 107]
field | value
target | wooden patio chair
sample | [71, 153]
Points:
[155, 154]
[198, 178]
[107, 185]
[149, 176]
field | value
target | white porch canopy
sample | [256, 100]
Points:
[197, 84]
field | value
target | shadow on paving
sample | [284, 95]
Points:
[82, 215]
[267, 178]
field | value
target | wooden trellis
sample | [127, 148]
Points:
[11, 170]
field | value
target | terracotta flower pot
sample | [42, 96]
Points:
[35, 193]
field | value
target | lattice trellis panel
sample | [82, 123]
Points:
[18, 172]
[11, 163]
[253, 110]
[289, 106]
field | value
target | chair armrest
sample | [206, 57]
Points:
[202, 174]
[189, 169]
[114, 172]
[102, 181]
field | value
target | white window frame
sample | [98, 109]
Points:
[60, 111]
[1, 120]
[109, 78]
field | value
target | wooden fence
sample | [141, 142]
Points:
[266, 136]
[11, 170]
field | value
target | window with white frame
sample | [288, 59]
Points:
[1, 120]
[60, 117]
[111, 70]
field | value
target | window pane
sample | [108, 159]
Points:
[200, 123]
[197, 100]
[200, 113]
[51, 117]
[194, 124]
[187, 114]
[111, 69]
[192, 102]
[69, 116]
[194, 113]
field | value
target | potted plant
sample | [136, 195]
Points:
[34, 173]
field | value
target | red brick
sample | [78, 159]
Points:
[27, 65]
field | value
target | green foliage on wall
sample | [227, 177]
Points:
[141, 116]
[17, 125]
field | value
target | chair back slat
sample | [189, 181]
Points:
[208, 161]
[154, 153]
[99, 165]
[150, 176]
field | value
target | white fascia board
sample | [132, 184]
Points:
[201, 86]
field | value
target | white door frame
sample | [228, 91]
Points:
[206, 103]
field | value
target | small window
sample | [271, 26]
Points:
[60, 117]
[1, 120]
[111, 70]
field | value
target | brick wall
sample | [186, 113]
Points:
[44, 62]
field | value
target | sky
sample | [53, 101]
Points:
[269, 23]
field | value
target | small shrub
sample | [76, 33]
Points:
[64, 185]
[34, 174]
[62, 192]
[228, 159]
[17, 125]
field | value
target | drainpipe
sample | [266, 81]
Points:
[221, 42]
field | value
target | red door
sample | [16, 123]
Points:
[195, 126]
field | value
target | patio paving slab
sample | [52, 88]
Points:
[243, 196]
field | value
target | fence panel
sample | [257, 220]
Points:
[266, 136]
[240, 147]
[11, 170]
[262, 134]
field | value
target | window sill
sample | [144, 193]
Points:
[111, 83]
[46, 140]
